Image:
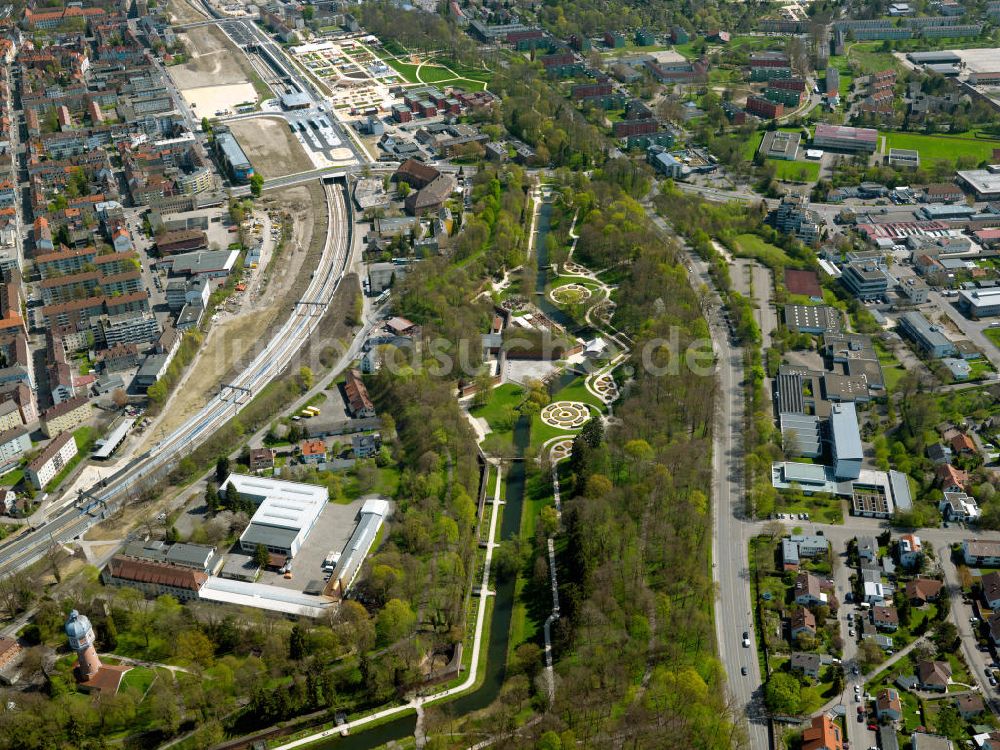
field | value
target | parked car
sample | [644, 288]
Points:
[743, 671]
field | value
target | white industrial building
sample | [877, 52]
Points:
[848, 453]
[373, 513]
[286, 512]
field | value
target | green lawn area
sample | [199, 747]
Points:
[821, 508]
[993, 334]
[892, 370]
[407, 70]
[752, 246]
[577, 391]
[868, 59]
[494, 412]
[796, 171]
[12, 478]
[138, 679]
[947, 147]
[980, 368]
[751, 146]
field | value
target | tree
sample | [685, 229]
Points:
[261, 556]
[783, 694]
[256, 184]
[869, 654]
[403, 189]
[305, 378]
[119, 397]
[195, 645]
[395, 621]
[296, 643]
[222, 469]
[945, 637]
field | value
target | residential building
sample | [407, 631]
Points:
[867, 549]
[969, 705]
[934, 675]
[811, 545]
[950, 478]
[312, 451]
[963, 445]
[888, 706]
[822, 734]
[14, 443]
[789, 554]
[67, 415]
[922, 590]
[990, 585]
[910, 550]
[793, 216]
[958, 506]
[885, 618]
[261, 459]
[803, 623]
[366, 445]
[359, 403]
[51, 460]
[808, 590]
[806, 664]
[764, 108]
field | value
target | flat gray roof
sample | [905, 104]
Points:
[846, 435]
[269, 536]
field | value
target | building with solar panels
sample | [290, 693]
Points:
[286, 512]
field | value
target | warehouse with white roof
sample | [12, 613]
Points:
[286, 512]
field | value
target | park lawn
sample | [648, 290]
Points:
[467, 72]
[138, 679]
[752, 246]
[508, 394]
[577, 391]
[407, 70]
[795, 171]
[945, 147]
[430, 73]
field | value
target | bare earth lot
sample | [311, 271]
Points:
[181, 11]
[271, 147]
[233, 340]
[217, 75]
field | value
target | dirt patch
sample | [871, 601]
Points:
[271, 147]
[181, 11]
[214, 60]
[232, 342]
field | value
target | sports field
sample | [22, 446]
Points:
[947, 147]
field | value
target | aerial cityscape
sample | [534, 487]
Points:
[478, 374]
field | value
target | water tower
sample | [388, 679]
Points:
[81, 639]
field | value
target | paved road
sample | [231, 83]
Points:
[730, 568]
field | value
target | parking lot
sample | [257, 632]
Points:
[332, 531]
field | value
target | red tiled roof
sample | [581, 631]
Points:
[160, 574]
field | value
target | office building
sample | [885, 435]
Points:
[844, 138]
[927, 336]
[848, 453]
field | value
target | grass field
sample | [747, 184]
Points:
[752, 246]
[947, 147]
[892, 370]
[795, 171]
[431, 73]
[867, 58]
